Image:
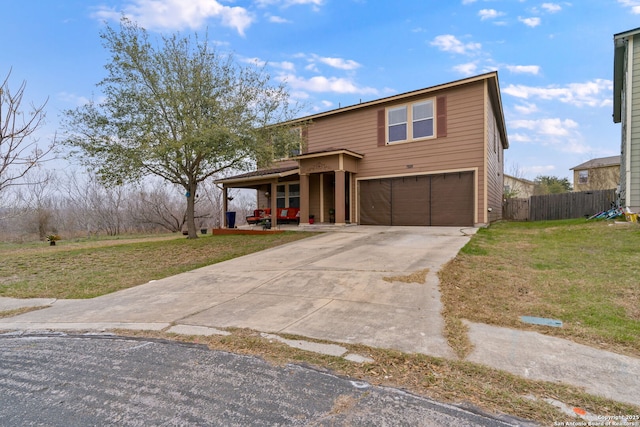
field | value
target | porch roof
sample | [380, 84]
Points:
[329, 152]
[260, 174]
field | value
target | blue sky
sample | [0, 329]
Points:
[554, 58]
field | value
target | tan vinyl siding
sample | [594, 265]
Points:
[461, 149]
[495, 168]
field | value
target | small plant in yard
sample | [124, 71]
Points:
[52, 239]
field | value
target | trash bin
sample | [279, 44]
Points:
[231, 220]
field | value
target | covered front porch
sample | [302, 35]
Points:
[319, 187]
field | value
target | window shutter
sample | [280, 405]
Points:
[441, 113]
[382, 130]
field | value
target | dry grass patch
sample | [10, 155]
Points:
[19, 311]
[415, 277]
[444, 380]
[583, 273]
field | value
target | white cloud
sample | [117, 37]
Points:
[524, 69]
[468, 1]
[547, 127]
[467, 69]
[338, 63]
[489, 14]
[634, 5]
[526, 108]
[278, 20]
[74, 99]
[551, 7]
[341, 64]
[530, 22]
[312, 67]
[562, 135]
[327, 84]
[286, 3]
[519, 137]
[178, 14]
[595, 93]
[285, 65]
[449, 43]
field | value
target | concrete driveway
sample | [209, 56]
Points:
[331, 286]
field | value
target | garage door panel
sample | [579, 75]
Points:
[452, 199]
[410, 200]
[375, 202]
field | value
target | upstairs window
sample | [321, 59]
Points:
[397, 124]
[423, 120]
[583, 177]
[409, 122]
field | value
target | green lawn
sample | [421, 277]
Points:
[584, 273]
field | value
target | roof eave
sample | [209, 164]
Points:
[257, 178]
[393, 98]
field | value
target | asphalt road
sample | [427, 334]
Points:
[98, 380]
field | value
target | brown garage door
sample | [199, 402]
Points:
[437, 200]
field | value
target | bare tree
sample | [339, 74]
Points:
[37, 199]
[158, 207]
[19, 149]
[94, 207]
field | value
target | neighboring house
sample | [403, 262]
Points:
[626, 107]
[433, 156]
[518, 187]
[597, 174]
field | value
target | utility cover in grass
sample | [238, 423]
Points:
[541, 321]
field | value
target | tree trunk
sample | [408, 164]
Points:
[191, 209]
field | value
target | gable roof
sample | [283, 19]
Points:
[523, 180]
[598, 163]
[494, 93]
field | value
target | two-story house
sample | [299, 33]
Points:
[602, 173]
[626, 107]
[431, 157]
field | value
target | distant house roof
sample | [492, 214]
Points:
[598, 163]
[523, 180]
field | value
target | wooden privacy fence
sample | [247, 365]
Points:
[558, 206]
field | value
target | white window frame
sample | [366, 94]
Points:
[583, 176]
[410, 121]
[286, 197]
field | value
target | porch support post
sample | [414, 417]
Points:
[304, 199]
[339, 198]
[274, 204]
[225, 207]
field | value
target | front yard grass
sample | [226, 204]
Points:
[584, 273]
[86, 269]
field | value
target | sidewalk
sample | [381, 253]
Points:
[333, 287]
